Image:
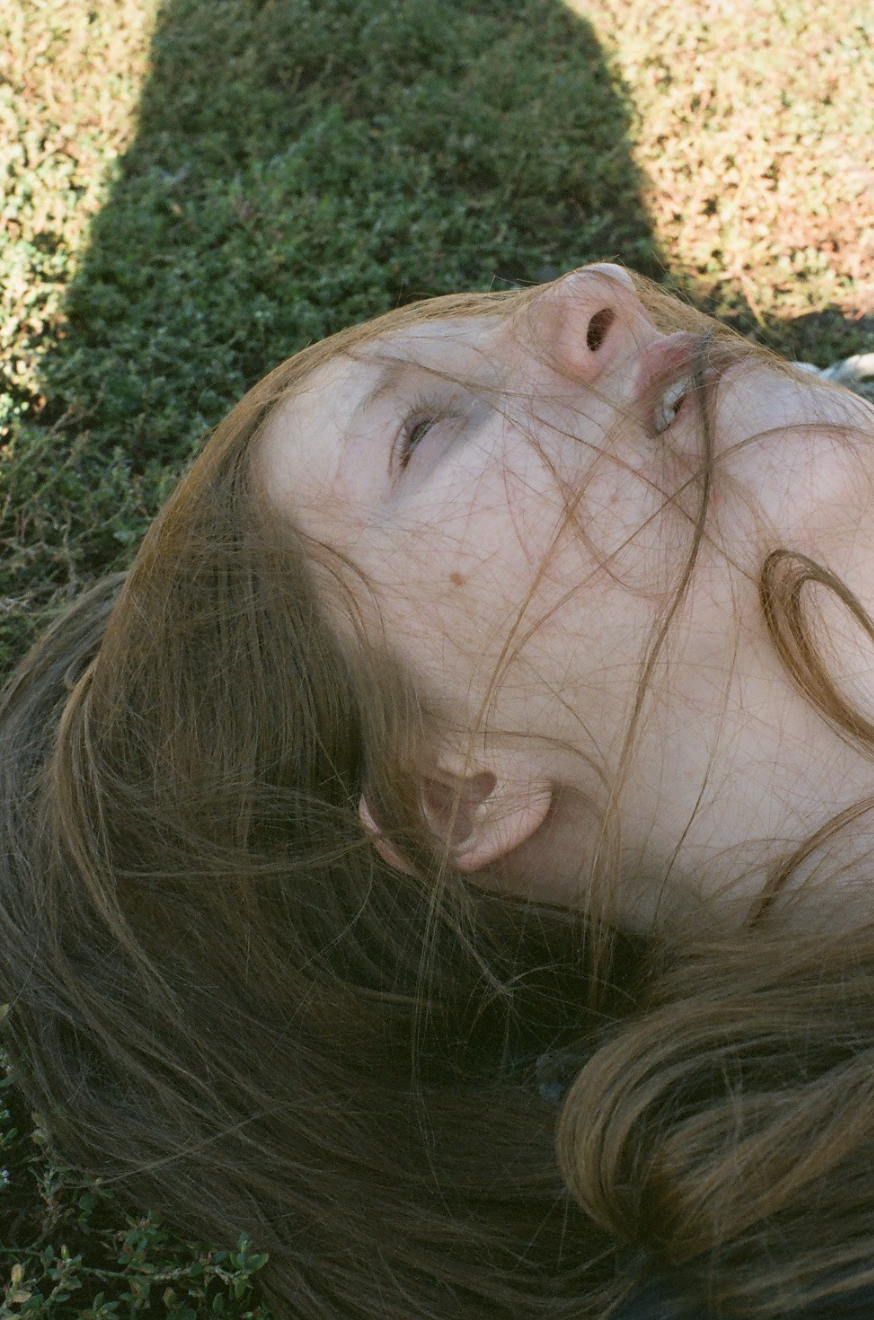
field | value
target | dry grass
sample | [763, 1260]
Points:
[70, 76]
[754, 128]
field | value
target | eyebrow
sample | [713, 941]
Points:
[392, 374]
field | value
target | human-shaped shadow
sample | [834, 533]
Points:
[300, 167]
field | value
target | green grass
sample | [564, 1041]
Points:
[293, 168]
[71, 1249]
[193, 191]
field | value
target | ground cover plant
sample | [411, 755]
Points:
[194, 190]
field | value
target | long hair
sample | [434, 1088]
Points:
[222, 1000]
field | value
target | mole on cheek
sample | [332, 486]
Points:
[457, 579]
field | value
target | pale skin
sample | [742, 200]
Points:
[526, 628]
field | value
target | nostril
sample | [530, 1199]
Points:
[598, 327]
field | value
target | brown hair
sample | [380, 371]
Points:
[222, 998]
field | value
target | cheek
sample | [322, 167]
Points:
[503, 572]
[621, 528]
[451, 597]
[454, 602]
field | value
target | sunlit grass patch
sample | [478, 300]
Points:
[753, 127]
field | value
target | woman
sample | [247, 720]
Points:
[445, 854]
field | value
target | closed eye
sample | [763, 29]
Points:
[429, 427]
[413, 432]
[423, 416]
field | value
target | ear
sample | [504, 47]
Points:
[479, 816]
[483, 816]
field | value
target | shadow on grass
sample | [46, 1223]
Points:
[299, 167]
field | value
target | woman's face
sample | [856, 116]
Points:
[523, 508]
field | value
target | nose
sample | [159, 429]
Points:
[590, 321]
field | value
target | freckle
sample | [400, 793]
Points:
[457, 579]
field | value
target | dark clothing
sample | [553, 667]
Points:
[657, 1301]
